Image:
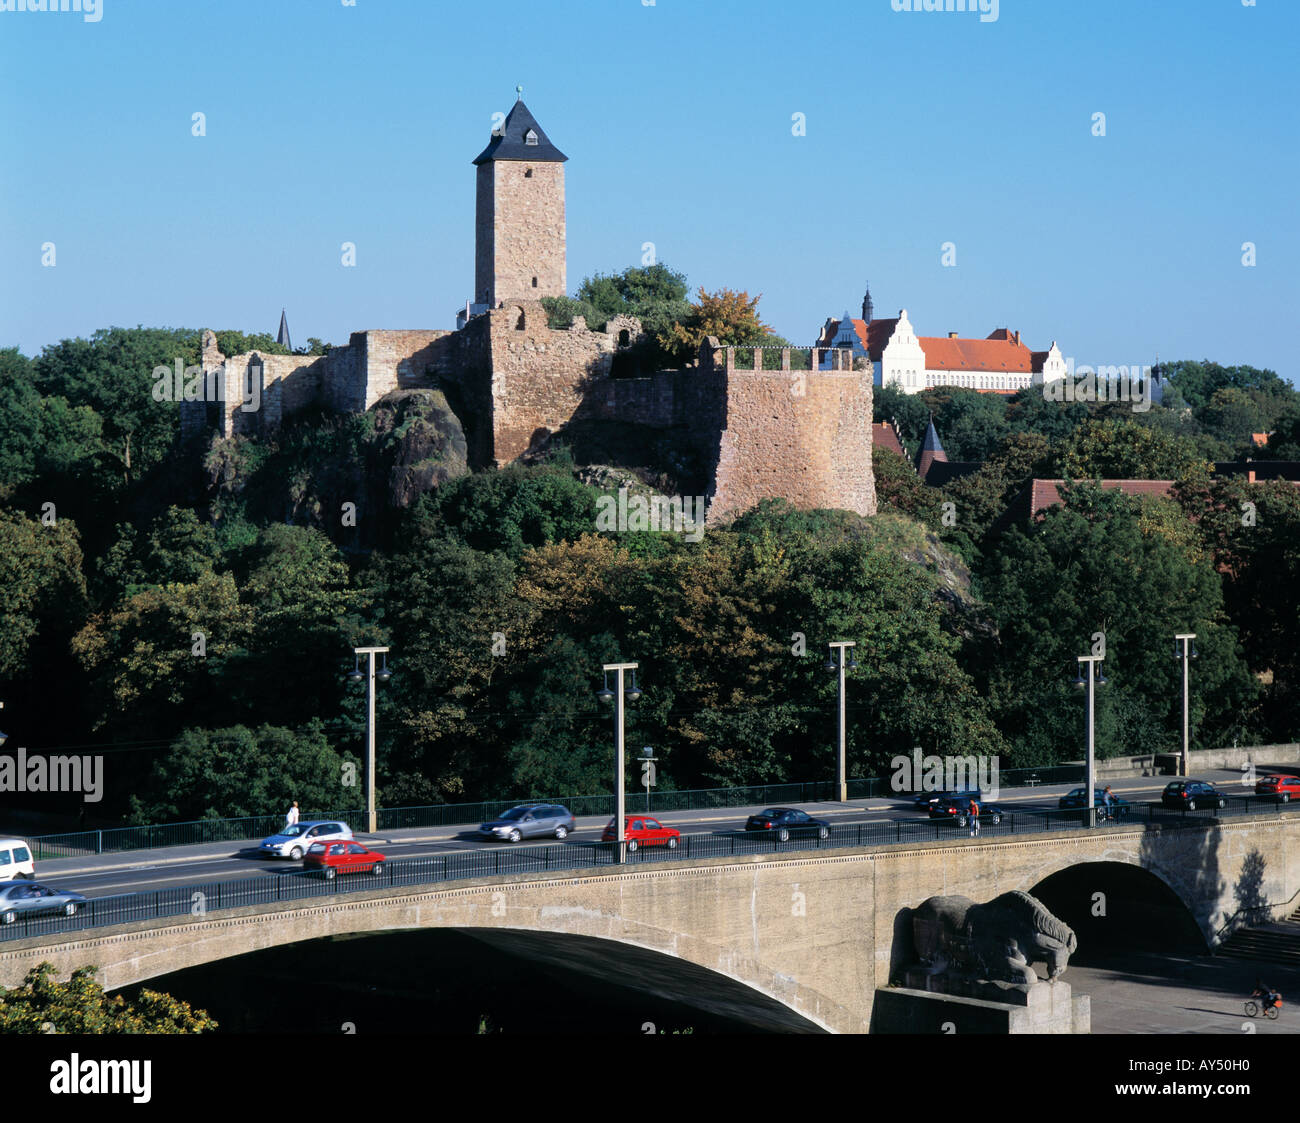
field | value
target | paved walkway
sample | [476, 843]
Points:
[1147, 993]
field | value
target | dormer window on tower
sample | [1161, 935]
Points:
[530, 137]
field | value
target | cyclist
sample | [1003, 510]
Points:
[1266, 994]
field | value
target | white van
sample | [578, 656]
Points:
[16, 860]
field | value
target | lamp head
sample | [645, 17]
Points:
[633, 692]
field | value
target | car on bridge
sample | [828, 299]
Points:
[294, 841]
[529, 820]
[925, 800]
[1281, 788]
[334, 858]
[1073, 801]
[641, 830]
[958, 811]
[1188, 795]
[16, 860]
[29, 898]
[788, 822]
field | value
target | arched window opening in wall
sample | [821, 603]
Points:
[624, 338]
[534, 282]
[519, 322]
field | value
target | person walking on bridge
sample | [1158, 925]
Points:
[292, 816]
[974, 819]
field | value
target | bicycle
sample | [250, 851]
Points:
[1252, 1009]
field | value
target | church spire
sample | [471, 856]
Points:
[867, 311]
[283, 337]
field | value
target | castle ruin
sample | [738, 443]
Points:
[515, 383]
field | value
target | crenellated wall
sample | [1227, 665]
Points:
[513, 381]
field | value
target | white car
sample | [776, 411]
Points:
[293, 842]
[16, 860]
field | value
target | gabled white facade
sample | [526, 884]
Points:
[902, 362]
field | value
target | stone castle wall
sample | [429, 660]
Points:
[540, 379]
[804, 436]
[801, 435]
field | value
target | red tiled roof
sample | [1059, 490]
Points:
[994, 356]
[883, 436]
[1259, 439]
[1046, 493]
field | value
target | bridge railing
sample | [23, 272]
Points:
[201, 898]
[118, 839]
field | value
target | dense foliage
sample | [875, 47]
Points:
[192, 617]
[42, 1004]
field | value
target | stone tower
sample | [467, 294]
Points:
[519, 249]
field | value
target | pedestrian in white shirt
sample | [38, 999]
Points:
[292, 816]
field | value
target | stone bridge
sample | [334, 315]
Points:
[814, 931]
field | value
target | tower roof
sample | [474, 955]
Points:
[931, 451]
[283, 337]
[510, 142]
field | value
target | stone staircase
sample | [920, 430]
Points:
[1272, 943]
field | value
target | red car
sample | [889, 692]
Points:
[334, 858]
[1282, 788]
[641, 830]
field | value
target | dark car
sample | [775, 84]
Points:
[958, 811]
[1074, 801]
[529, 820]
[788, 822]
[1188, 795]
[27, 898]
[926, 800]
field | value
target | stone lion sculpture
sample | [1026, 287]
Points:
[997, 941]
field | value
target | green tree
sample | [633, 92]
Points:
[42, 1004]
[1115, 449]
[159, 660]
[112, 374]
[1090, 566]
[42, 591]
[235, 772]
[511, 509]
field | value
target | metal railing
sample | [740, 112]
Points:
[118, 839]
[201, 898]
[152, 837]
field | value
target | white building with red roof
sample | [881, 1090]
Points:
[999, 363]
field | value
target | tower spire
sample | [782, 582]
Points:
[868, 313]
[283, 337]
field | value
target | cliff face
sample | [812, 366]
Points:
[346, 475]
[419, 440]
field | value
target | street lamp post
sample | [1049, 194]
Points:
[1184, 649]
[1092, 678]
[617, 696]
[370, 674]
[841, 781]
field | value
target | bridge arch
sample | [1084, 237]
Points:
[1117, 905]
[524, 980]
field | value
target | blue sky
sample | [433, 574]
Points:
[329, 123]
